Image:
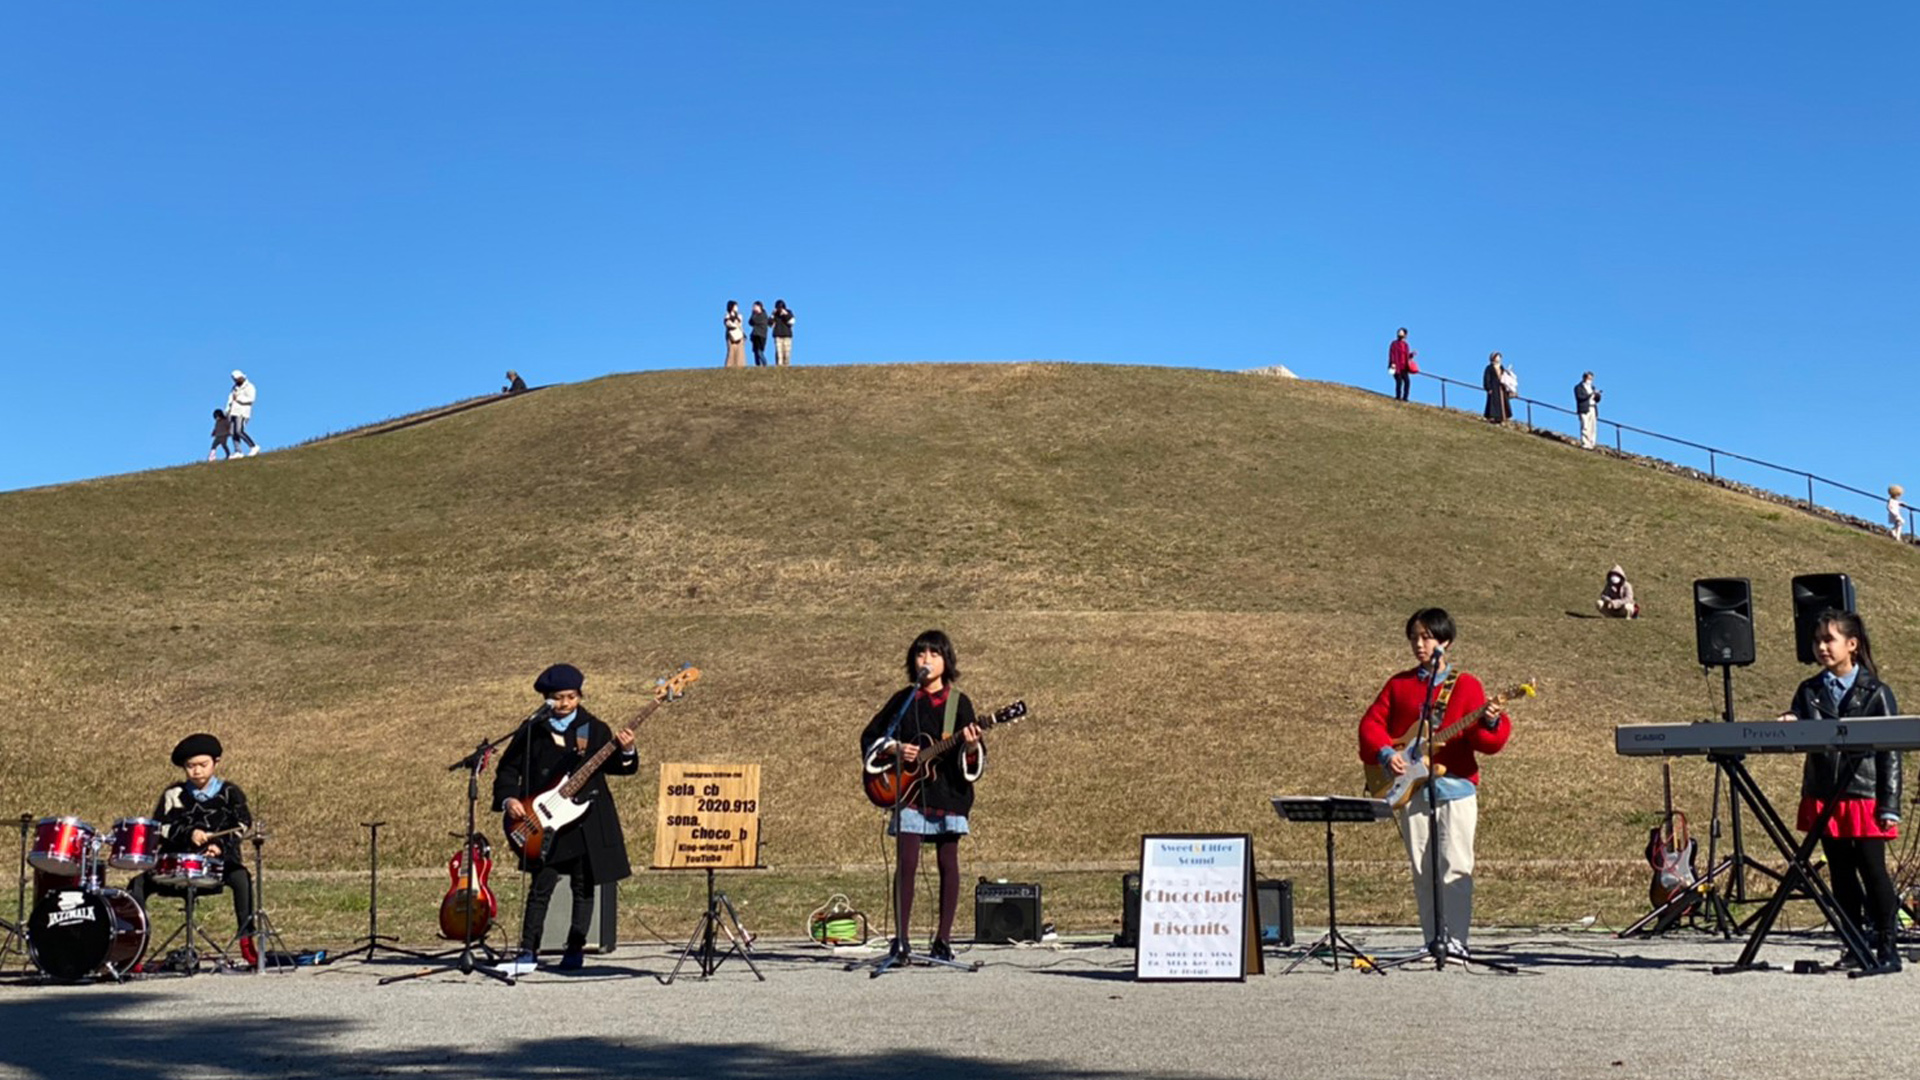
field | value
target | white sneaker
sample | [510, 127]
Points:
[524, 964]
[252, 450]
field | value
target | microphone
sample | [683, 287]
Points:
[922, 672]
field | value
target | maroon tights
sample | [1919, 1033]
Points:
[947, 855]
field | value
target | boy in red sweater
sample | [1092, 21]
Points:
[1392, 719]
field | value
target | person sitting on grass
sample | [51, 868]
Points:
[1616, 596]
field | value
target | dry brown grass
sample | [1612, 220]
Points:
[1196, 579]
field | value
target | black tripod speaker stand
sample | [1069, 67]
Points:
[1329, 809]
[374, 943]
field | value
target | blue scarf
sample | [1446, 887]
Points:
[214, 784]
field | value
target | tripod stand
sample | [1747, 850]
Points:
[372, 945]
[15, 932]
[1329, 809]
[268, 948]
[470, 902]
[1737, 862]
[720, 918]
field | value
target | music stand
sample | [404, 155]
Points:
[375, 942]
[1329, 809]
[720, 918]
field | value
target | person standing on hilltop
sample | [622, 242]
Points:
[782, 333]
[736, 339]
[240, 411]
[1586, 402]
[759, 323]
[1493, 381]
[1894, 506]
[1400, 361]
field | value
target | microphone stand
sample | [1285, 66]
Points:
[475, 763]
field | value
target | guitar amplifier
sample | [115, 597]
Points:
[602, 932]
[1004, 913]
[1129, 935]
[1275, 900]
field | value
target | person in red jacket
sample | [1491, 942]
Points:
[1390, 723]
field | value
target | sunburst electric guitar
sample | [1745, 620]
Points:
[560, 805]
[887, 786]
[1398, 790]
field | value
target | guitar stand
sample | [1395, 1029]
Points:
[719, 918]
[372, 945]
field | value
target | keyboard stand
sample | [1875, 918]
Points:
[1800, 871]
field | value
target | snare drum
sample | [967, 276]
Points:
[135, 844]
[73, 933]
[61, 845]
[187, 870]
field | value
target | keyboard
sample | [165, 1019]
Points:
[1768, 736]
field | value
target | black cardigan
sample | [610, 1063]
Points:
[947, 789]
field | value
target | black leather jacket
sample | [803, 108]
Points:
[1878, 777]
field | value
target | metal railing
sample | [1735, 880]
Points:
[1714, 453]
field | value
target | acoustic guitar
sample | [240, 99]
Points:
[887, 786]
[1399, 790]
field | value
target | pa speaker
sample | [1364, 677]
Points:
[1723, 621]
[1276, 911]
[1813, 594]
[1003, 913]
[1129, 935]
[602, 930]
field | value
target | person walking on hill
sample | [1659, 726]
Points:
[222, 428]
[1493, 381]
[240, 411]
[1586, 402]
[736, 339]
[759, 323]
[1389, 725]
[1894, 507]
[782, 333]
[1400, 361]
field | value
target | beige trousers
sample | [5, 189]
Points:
[1458, 819]
[782, 351]
[736, 354]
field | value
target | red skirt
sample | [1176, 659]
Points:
[1852, 820]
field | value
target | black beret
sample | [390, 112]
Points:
[194, 745]
[559, 677]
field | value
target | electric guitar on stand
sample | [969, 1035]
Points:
[1399, 790]
[1670, 850]
[560, 806]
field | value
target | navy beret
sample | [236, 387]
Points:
[194, 745]
[559, 677]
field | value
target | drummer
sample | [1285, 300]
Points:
[194, 809]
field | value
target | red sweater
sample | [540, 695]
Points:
[1399, 356]
[1397, 710]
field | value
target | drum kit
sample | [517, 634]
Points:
[80, 926]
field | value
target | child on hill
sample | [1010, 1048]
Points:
[222, 427]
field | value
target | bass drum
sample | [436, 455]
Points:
[73, 933]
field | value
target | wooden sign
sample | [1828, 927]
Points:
[1198, 913]
[709, 817]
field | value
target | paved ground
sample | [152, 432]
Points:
[1582, 1005]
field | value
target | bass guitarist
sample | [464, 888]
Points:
[591, 851]
[928, 710]
[1388, 725]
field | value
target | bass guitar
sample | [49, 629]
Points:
[887, 786]
[1399, 790]
[468, 911]
[1670, 851]
[529, 831]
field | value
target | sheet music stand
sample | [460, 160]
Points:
[1329, 809]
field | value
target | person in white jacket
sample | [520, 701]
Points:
[240, 411]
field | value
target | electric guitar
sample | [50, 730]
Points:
[469, 908]
[1399, 790]
[529, 832]
[1669, 850]
[887, 787]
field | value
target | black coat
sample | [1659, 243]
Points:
[179, 813]
[597, 834]
[948, 789]
[1878, 777]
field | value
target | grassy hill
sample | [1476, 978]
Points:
[1197, 580]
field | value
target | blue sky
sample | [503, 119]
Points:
[373, 208]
